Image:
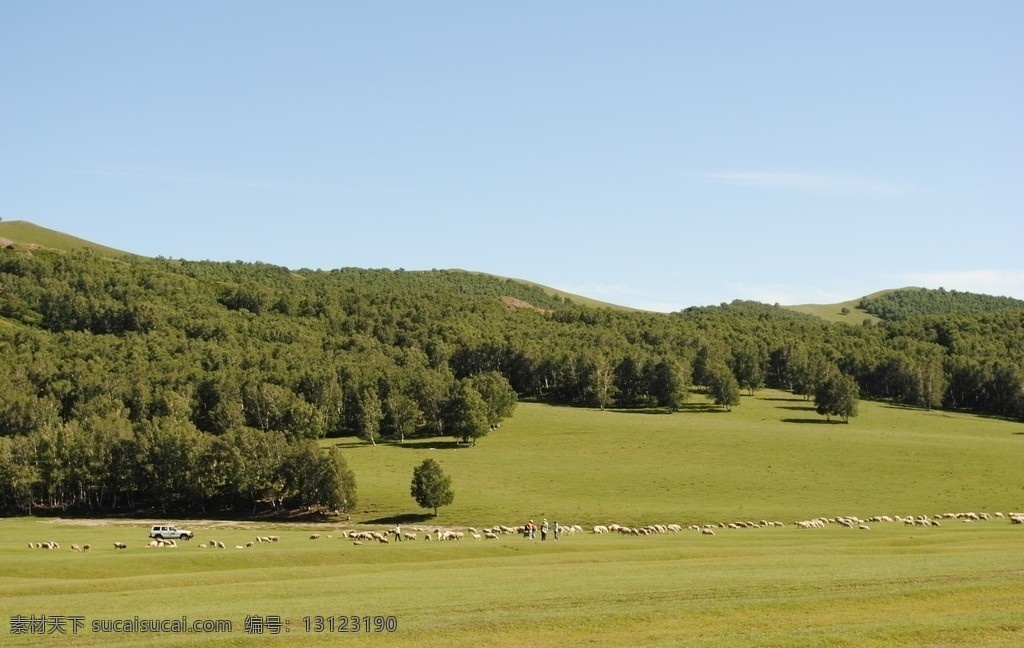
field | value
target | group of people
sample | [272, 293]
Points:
[530, 530]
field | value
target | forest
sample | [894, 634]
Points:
[134, 384]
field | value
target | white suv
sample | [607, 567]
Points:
[164, 531]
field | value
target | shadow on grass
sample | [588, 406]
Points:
[404, 518]
[431, 445]
[805, 408]
[786, 400]
[700, 408]
[813, 421]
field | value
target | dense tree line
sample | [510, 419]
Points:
[895, 305]
[201, 385]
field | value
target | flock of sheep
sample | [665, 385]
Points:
[52, 544]
[494, 532]
[849, 522]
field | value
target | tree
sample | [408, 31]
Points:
[466, 416]
[315, 479]
[722, 386]
[748, 363]
[837, 395]
[401, 414]
[370, 414]
[668, 384]
[497, 393]
[431, 488]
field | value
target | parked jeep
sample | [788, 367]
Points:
[164, 531]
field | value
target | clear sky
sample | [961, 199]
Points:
[655, 154]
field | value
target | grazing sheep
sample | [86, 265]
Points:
[426, 537]
[202, 546]
[120, 545]
[274, 538]
[86, 547]
[409, 536]
[249, 544]
[383, 540]
[864, 527]
[154, 543]
[239, 546]
[357, 542]
[315, 536]
[490, 535]
[476, 536]
[707, 531]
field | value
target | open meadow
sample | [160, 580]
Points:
[772, 458]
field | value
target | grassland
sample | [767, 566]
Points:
[26, 233]
[847, 312]
[893, 585]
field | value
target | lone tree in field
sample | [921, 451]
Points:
[837, 394]
[431, 488]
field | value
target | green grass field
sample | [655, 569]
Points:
[770, 458]
[26, 233]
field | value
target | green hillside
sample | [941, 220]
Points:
[702, 465]
[907, 303]
[24, 233]
[160, 369]
[847, 312]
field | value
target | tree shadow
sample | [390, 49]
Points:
[639, 410]
[404, 518]
[805, 408]
[701, 408]
[813, 421]
[350, 444]
[786, 400]
[431, 445]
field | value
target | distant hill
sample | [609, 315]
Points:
[904, 303]
[24, 233]
[897, 305]
[885, 305]
[847, 312]
[28, 234]
[553, 292]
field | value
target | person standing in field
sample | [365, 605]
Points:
[544, 530]
[557, 529]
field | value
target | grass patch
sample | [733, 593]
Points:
[894, 585]
[762, 461]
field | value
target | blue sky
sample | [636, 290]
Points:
[653, 154]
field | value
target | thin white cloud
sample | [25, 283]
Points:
[826, 183]
[1009, 283]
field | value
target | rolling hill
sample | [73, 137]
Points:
[29, 234]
